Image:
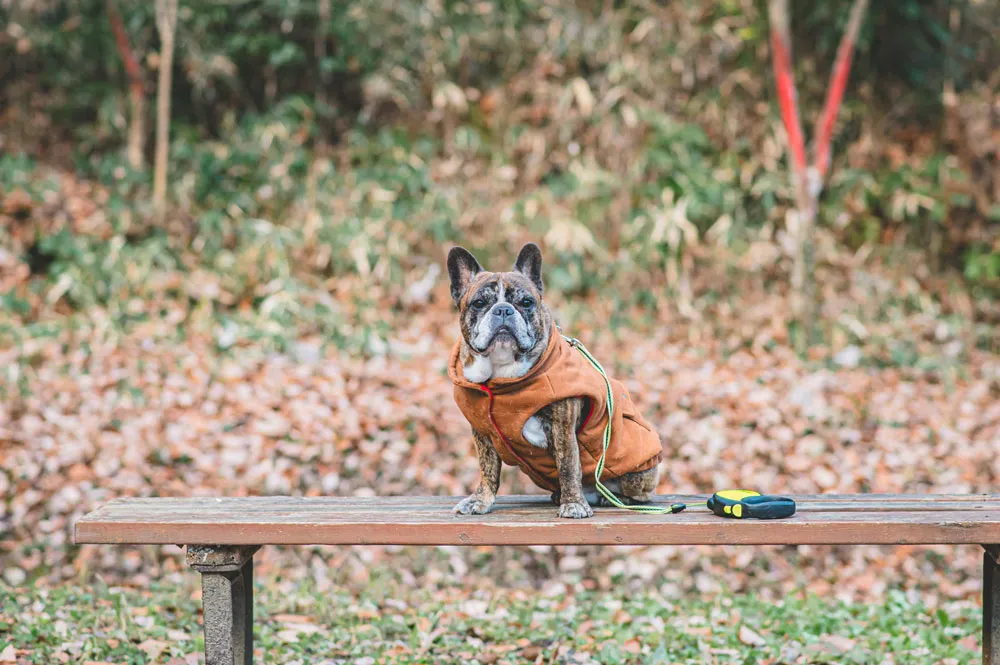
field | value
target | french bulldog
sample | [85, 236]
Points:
[533, 400]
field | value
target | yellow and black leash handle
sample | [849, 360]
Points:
[742, 504]
[737, 504]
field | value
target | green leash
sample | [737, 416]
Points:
[739, 504]
[610, 496]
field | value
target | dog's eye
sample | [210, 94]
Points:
[527, 302]
[478, 303]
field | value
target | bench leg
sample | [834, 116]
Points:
[991, 605]
[227, 599]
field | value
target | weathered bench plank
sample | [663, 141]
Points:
[821, 520]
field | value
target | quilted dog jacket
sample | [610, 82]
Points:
[499, 408]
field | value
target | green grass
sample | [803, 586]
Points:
[297, 625]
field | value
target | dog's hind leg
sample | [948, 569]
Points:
[638, 487]
[562, 418]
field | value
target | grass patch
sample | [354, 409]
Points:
[294, 624]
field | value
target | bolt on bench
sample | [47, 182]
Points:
[222, 535]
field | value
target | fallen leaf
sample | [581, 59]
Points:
[153, 648]
[750, 637]
[273, 426]
[727, 652]
[970, 642]
[584, 96]
[621, 617]
[839, 642]
[293, 630]
[830, 645]
[532, 652]
[293, 618]
[8, 655]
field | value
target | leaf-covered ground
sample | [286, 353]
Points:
[908, 403]
[156, 397]
[402, 625]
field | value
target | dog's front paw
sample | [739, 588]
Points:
[473, 505]
[576, 510]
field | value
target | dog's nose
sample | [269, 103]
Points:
[503, 310]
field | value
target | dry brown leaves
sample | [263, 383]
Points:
[140, 414]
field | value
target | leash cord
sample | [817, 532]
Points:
[610, 496]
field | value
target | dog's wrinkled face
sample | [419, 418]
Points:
[502, 309]
[502, 315]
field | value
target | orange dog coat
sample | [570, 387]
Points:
[499, 409]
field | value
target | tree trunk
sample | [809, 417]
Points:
[136, 131]
[137, 93]
[166, 23]
[802, 301]
[323, 80]
[807, 180]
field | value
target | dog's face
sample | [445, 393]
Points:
[504, 323]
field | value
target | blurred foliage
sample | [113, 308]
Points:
[318, 146]
[908, 47]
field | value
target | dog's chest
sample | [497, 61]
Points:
[534, 433]
[501, 364]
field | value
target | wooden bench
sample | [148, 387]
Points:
[222, 534]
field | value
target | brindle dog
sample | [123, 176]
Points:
[505, 329]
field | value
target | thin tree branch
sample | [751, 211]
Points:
[166, 23]
[137, 91]
[835, 90]
[124, 50]
[781, 48]
[323, 80]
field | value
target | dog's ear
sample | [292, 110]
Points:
[529, 264]
[462, 267]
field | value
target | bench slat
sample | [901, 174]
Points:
[425, 520]
[282, 504]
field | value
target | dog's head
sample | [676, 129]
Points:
[505, 325]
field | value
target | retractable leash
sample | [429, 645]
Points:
[738, 504]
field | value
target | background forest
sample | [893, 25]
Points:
[274, 318]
